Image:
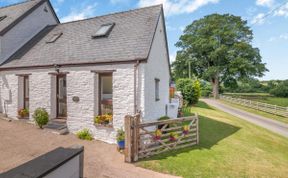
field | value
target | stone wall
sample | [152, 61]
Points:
[83, 83]
[81, 114]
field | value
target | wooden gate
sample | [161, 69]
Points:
[150, 138]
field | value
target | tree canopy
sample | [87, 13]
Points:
[218, 49]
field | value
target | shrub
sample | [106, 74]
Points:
[190, 90]
[41, 117]
[84, 134]
[281, 90]
[120, 135]
[163, 118]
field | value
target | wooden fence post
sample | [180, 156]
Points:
[197, 127]
[128, 138]
[136, 139]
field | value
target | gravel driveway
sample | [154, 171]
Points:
[21, 142]
[272, 125]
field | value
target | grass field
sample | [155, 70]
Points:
[262, 97]
[254, 111]
[229, 147]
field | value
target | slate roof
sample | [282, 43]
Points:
[130, 39]
[15, 12]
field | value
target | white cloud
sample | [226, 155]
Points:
[283, 36]
[283, 11]
[174, 7]
[182, 28]
[258, 19]
[266, 3]
[172, 56]
[76, 14]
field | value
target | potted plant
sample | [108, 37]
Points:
[22, 113]
[185, 129]
[120, 139]
[158, 134]
[173, 136]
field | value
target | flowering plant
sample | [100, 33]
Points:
[158, 134]
[173, 136]
[23, 112]
[103, 119]
[185, 129]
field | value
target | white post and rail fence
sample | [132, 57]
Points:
[146, 139]
[269, 108]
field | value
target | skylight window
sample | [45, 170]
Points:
[54, 37]
[3, 17]
[104, 30]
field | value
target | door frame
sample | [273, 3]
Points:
[57, 98]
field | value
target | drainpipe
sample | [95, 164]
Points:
[135, 86]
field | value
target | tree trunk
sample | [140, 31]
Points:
[215, 84]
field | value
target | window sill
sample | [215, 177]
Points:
[24, 118]
[104, 126]
[157, 100]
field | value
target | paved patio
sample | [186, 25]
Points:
[21, 142]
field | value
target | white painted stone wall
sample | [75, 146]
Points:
[83, 83]
[25, 30]
[40, 91]
[157, 67]
[9, 95]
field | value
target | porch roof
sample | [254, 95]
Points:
[130, 39]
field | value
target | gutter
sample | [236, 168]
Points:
[136, 67]
[83, 64]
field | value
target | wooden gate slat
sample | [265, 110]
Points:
[140, 141]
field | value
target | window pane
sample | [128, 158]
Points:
[26, 87]
[103, 30]
[106, 94]
[107, 84]
[157, 95]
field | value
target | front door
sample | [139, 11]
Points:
[61, 97]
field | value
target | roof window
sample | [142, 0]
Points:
[3, 17]
[104, 30]
[54, 37]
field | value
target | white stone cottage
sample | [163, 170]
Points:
[116, 63]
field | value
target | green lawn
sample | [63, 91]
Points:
[254, 111]
[262, 97]
[229, 147]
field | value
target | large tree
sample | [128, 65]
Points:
[218, 49]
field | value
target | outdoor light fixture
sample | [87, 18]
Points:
[57, 68]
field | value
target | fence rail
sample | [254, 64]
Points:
[143, 140]
[269, 108]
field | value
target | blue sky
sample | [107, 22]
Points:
[270, 34]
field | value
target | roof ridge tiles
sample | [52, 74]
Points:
[114, 13]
